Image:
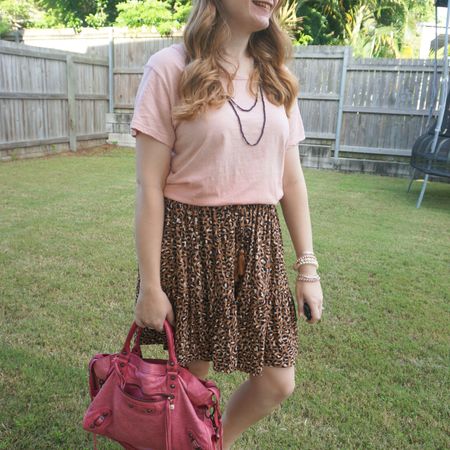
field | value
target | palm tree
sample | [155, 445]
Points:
[373, 28]
[365, 34]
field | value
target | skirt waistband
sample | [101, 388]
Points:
[248, 206]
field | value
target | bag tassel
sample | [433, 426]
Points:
[241, 263]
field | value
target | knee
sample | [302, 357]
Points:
[277, 382]
[283, 389]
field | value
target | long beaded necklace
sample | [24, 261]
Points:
[232, 103]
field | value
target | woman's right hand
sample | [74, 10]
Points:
[152, 308]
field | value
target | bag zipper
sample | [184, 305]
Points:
[155, 397]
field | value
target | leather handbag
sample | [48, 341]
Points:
[151, 404]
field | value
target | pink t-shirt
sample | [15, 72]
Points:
[211, 164]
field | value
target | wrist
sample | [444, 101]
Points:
[306, 252]
[150, 286]
[307, 277]
[307, 269]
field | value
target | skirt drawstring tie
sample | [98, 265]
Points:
[240, 266]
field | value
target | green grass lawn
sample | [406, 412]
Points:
[373, 374]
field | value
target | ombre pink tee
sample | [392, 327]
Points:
[211, 164]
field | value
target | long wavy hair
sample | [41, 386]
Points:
[205, 33]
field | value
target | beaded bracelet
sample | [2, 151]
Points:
[306, 258]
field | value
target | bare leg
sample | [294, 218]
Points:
[199, 368]
[254, 399]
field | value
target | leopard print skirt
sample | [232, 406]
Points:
[223, 270]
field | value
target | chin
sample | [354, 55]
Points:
[260, 26]
[251, 20]
[257, 23]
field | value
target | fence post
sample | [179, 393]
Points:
[347, 50]
[111, 70]
[71, 102]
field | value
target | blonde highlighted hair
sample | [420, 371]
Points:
[205, 33]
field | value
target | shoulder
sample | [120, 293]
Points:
[169, 61]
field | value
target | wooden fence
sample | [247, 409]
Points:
[362, 114]
[354, 110]
[50, 100]
[359, 114]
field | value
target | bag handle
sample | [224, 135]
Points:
[168, 328]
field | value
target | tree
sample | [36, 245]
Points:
[16, 14]
[373, 28]
[162, 15]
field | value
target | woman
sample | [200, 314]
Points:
[217, 124]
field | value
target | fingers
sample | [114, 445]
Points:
[301, 313]
[158, 326]
[316, 312]
[300, 300]
[171, 318]
[315, 307]
[138, 322]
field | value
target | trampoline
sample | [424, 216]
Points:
[431, 151]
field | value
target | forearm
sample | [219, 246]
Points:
[296, 214]
[149, 223]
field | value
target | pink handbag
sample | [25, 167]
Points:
[151, 404]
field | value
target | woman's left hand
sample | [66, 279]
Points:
[311, 293]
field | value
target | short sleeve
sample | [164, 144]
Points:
[296, 128]
[153, 108]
